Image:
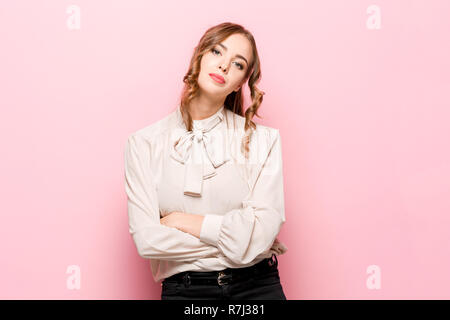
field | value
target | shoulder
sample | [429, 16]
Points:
[271, 133]
[153, 131]
[265, 140]
[262, 133]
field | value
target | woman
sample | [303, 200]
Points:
[205, 183]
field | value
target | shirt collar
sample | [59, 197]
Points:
[202, 123]
[200, 150]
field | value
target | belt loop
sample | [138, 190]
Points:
[187, 279]
[254, 270]
[272, 262]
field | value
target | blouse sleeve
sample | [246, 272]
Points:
[243, 234]
[154, 240]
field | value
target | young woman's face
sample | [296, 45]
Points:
[229, 59]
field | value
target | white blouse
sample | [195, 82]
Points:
[205, 173]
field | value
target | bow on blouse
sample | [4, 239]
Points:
[201, 150]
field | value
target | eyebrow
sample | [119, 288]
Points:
[238, 55]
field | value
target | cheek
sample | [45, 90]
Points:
[207, 64]
[205, 68]
[234, 80]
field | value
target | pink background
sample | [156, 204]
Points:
[363, 114]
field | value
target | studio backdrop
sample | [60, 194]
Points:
[359, 91]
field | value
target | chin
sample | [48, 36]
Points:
[211, 89]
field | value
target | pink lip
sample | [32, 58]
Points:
[217, 78]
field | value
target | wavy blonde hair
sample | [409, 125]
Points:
[234, 101]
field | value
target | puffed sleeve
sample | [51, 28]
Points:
[154, 240]
[243, 234]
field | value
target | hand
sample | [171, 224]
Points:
[172, 219]
[186, 222]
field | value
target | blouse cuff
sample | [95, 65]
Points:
[209, 232]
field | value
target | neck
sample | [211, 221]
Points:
[202, 108]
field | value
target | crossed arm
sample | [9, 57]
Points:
[186, 222]
[240, 234]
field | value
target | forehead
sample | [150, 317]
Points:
[239, 44]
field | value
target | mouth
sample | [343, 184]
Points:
[217, 78]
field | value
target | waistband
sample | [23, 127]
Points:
[224, 276]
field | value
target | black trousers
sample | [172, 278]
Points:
[258, 282]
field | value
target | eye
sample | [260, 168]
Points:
[240, 66]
